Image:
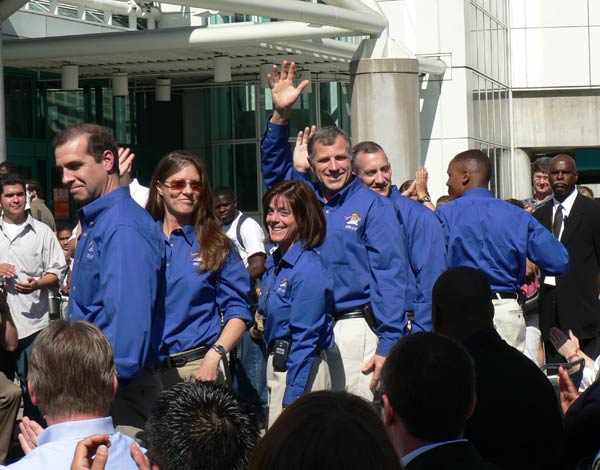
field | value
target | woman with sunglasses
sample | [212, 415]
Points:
[205, 277]
[296, 296]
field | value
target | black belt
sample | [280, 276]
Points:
[352, 312]
[181, 359]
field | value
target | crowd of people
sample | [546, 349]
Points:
[367, 328]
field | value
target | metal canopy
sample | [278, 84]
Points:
[186, 53]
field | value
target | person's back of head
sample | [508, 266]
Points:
[462, 303]
[72, 371]
[200, 426]
[478, 164]
[8, 167]
[326, 431]
[428, 381]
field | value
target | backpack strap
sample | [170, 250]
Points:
[238, 230]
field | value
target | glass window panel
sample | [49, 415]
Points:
[473, 38]
[501, 8]
[236, 166]
[65, 108]
[474, 79]
[492, 8]
[108, 117]
[480, 42]
[506, 119]
[303, 112]
[335, 104]
[122, 119]
[18, 96]
[487, 46]
[234, 112]
[501, 58]
[484, 110]
[494, 50]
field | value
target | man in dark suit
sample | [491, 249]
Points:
[429, 393]
[570, 301]
[516, 423]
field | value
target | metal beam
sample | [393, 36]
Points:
[362, 22]
[8, 7]
[69, 48]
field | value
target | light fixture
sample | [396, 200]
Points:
[70, 77]
[162, 89]
[120, 86]
[222, 69]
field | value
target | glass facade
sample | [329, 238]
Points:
[488, 81]
[233, 120]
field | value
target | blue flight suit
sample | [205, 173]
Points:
[496, 237]
[426, 254]
[297, 301]
[361, 248]
[118, 279]
[195, 299]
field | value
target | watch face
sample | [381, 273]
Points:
[220, 349]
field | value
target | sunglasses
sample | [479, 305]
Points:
[179, 185]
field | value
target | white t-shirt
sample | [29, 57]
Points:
[252, 235]
[138, 192]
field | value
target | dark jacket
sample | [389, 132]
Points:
[451, 456]
[517, 422]
[576, 290]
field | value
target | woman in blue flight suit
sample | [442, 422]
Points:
[205, 276]
[296, 297]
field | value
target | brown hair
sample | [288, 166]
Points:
[306, 208]
[214, 244]
[346, 426]
[99, 139]
[72, 369]
[326, 136]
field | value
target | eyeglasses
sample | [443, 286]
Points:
[179, 185]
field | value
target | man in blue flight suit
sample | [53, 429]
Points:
[424, 236]
[495, 237]
[422, 230]
[361, 247]
[118, 272]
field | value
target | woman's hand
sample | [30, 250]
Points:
[209, 369]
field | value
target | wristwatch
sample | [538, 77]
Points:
[425, 199]
[220, 349]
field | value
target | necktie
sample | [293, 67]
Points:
[558, 220]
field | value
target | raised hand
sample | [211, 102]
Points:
[301, 156]
[283, 91]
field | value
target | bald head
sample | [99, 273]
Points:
[462, 303]
[563, 176]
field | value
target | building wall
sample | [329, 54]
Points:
[556, 79]
[469, 107]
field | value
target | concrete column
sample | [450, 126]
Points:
[2, 107]
[385, 109]
[523, 187]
